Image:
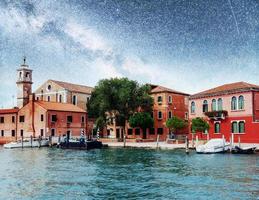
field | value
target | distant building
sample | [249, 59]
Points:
[167, 103]
[231, 110]
[36, 117]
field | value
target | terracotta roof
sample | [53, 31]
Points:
[160, 89]
[227, 88]
[9, 111]
[59, 106]
[74, 87]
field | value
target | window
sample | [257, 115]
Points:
[83, 119]
[170, 114]
[13, 133]
[27, 75]
[205, 107]
[152, 131]
[193, 107]
[1, 120]
[52, 132]
[233, 103]
[60, 98]
[159, 99]
[159, 115]
[241, 103]
[42, 118]
[13, 119]
[220, 104]
[241, 127]
[214, 105]
[217, 127]
[20, 75]
[186, 115]
[53, 118]
[160, 131]
[41, 132]
[169, 99]
[137, 131]
[21, 118]
[21, 133]
[130, 131]
[37, 98]
[69, 119]
[2, 133]
[48, 98]
[49, 87]
[74, 100]
[234, 127]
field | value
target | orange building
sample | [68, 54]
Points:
[36, 117]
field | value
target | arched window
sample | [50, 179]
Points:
[27, 75]
[214, 105]
[159, 115]
[234, 127]
[241, 127]
[234, 103]
[20, 74]
[74, 100]
[217, 127]
[241, 102]
[159, 99]
[60, 98]
[170, 114]
[169, 99]
[193, 107]
[205, 107]
[220, 104]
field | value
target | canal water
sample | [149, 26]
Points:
[117, 173]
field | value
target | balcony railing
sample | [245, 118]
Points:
[217, 115]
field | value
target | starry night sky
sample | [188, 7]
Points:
[187, 45]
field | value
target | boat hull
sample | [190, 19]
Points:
[26, 144]
[239, 150]
[81, 145]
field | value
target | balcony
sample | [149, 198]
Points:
[217, 115]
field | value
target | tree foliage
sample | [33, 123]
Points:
[120, 98]
[199, 125]
[176, 123]
[142, 120]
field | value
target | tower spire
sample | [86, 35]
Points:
[24, 60]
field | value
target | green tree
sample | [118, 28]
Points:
[142, 120]
[119, 98]
[199, 125]
[175, 124]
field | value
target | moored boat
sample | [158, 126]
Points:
[243, 150]
[214, 146]
[80, 144]
[34, 142]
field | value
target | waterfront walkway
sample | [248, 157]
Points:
[162, 145]
[151, 145]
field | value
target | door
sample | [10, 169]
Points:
[144, 133]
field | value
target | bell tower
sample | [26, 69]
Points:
[24, 84]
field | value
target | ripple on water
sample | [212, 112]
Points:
[126, 174]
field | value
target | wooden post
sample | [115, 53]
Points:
[157, 141]
[187, 145]
[223, 138]
[208, 137]
[22, 141]
[192, 140]
[31, 141]
[197, 141]
[124, 140]
[50, 141]
[239, 142]
[39, 141]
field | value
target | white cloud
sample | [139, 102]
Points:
[87, 37]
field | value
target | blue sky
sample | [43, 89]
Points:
[185, 45]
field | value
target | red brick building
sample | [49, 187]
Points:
[232, 110]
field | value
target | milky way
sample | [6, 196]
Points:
[186, 45]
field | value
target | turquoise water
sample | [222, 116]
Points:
[117, 173]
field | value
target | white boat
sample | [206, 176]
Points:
[35, 142]
[214, 146]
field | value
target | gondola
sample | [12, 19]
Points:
[80, 144]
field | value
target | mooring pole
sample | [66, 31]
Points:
[157, 141]
[187, 145]
[239, 142]
[31, 141]
[22, 141]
